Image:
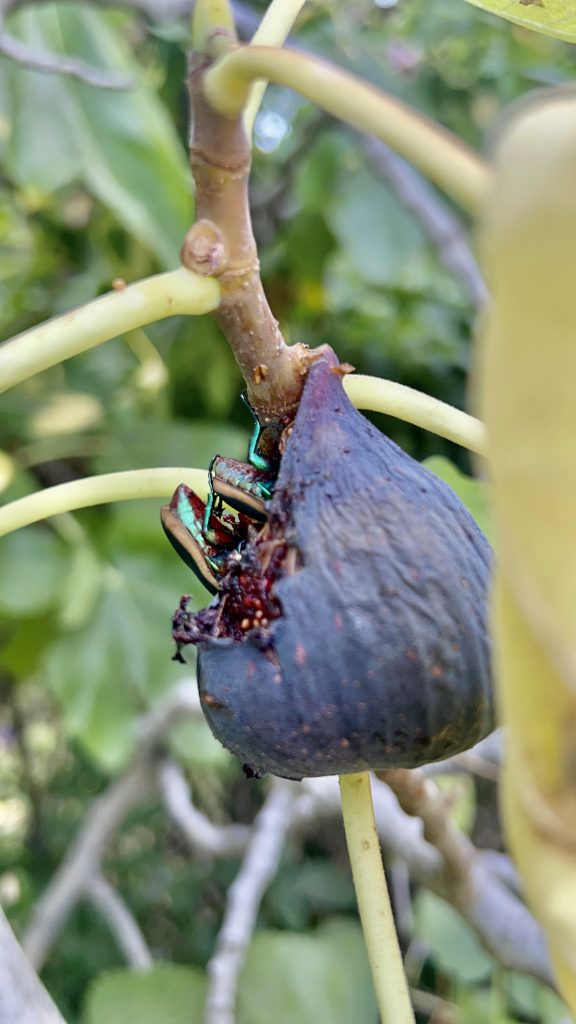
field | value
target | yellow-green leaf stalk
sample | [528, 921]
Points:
[441, 156]
[390, 984]
[527, 385]
[384, 396]
[273, 30]
[213, 28]
[125, 308]
[98, 490]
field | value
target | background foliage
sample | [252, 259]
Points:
[93, 186]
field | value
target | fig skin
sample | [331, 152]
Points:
[378, 656]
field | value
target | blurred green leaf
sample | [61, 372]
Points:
[460, 791]
[24, 643]
[81, 587]
[17, 239]
[452, 942]
[193, 743]
[382, 242]
[119, 144]
[306, 889]
[33, 565]
[142, 443]
[112, 668]
[528, 996]
[554, 18]
[167, 994]
[482, 1006]
[472, 493]
[319, 978]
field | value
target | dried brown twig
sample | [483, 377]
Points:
[466, 879]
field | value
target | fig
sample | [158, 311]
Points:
[349, 631]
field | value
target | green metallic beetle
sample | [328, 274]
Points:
[202, 533]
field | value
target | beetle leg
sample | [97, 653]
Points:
[263, 447]
[243, 487]
[183, 522]
[213, 505]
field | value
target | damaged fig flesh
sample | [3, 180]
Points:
[350, 631]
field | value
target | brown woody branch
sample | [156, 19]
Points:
[464, 878]
[221, 244]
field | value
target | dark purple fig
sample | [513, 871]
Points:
[350, 631]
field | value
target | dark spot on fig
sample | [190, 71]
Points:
[382, 579]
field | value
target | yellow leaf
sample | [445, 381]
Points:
[529, 399]
[527, 375]
[552, 17]
[538, 794]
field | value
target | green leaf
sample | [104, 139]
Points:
[33, 566]
[42, 153]
[455, 947]
[24, 642]
[193, 743]
[81, 587]
[121, 145]
[139, 444]
[305, 891]
[17, 252]
[319, 978]
[527, 996]
[383, 244]
[472, 493]
[552, 17]
[167, 994]
[105, 673]
[460, 791]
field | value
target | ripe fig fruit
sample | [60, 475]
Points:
[350, 631]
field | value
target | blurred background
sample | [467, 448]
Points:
[356, 250]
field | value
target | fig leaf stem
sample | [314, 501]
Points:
[99, 490]
[213, 28]
[374, 905]
[393, 399]
[273, 30]
[436, 152]
[174, 293]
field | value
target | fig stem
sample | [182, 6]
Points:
[374, 905]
